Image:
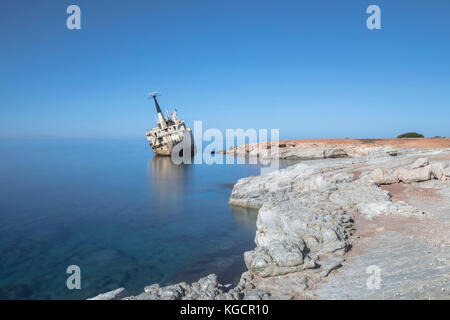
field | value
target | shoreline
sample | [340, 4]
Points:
[302, 149]
[317, 218]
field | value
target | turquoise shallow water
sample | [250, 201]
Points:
[128, 219]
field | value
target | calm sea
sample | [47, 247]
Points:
[126, 218]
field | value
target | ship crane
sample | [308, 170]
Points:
[161, 120]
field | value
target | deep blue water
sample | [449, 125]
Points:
[128, 219]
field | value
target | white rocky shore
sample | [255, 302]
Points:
[322, 223]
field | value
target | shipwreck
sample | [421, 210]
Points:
[170, 132]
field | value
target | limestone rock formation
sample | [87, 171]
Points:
[419, 171]
[419, 163]
[116, 294]
[305, 212]
[207, 288]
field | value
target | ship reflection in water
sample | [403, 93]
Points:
[190, 203]
[168, 182]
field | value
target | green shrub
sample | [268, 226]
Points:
[410, 135]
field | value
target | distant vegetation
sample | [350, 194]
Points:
[410, 135]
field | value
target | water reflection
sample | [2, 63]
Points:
[163, 169]
[168, 182]
[245, 217]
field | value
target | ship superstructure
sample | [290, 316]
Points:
[169, 132]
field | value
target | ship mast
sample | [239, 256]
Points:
[161, 119]
[158, 109]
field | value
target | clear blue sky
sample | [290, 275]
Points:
[310, 68]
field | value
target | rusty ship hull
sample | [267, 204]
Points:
[166, 149]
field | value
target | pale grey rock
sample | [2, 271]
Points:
[152, 288]
[277, 259]
[257, 295]
[419, 171]
[373, 209]
[305, 211]
[401, 173]
[116, 294]
[437, 170]
[174, 292]
[312, 243]
[335, 153]
[417, 175]
[421, 162]
[411, 269]
[308, 151]
[207, 288]
[296, 224]
[331, 264]
[447, 172]
[383, 176]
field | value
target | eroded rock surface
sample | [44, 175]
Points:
[335, 148]
[419, 171]
[305, 211]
